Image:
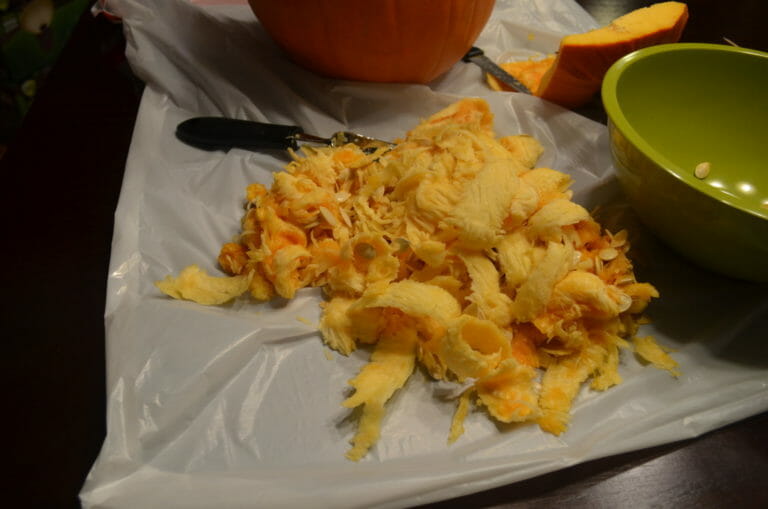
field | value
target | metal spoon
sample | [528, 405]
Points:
[217, 133]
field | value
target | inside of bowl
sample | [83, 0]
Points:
[702, 104]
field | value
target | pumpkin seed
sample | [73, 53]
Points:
[625, 301]
[346, 218]
[365, 250]
[702, 170]
[402, 245]
[619, 238]
[585, 264]
[608, 254]
[328, 216]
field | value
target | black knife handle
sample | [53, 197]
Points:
[217, 133]
[474, 51]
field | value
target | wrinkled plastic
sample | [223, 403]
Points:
[240, 405]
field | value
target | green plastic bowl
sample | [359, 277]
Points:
[673, 106]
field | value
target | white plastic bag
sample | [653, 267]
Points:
[240, 406]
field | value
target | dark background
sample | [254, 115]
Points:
[61, 178]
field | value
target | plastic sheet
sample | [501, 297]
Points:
[239, 406]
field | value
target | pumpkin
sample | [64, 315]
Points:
[574, 75]
[528, 72]
[407, 41]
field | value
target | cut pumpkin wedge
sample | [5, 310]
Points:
[574, 75]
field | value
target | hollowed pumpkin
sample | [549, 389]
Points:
[574, 75]
[403, 41]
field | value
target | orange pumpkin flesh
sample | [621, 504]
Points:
[528, 72]
[403, 41]
[575, 74]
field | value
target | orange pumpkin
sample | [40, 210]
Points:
[573, 76]
[406, 41]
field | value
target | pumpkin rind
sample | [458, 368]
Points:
[583, 59]
[574, 75]
[374, 40]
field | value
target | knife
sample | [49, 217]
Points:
[476, 56]
[218, 133]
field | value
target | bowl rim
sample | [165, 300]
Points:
[616, 115]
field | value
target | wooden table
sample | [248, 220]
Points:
[61, 180]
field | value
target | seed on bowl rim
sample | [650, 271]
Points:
[702, 170]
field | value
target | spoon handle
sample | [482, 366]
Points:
[217, 133]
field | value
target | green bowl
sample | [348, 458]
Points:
[673, 106]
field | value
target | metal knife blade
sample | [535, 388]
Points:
[476, 56]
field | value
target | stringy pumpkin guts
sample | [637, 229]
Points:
[451, 251]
